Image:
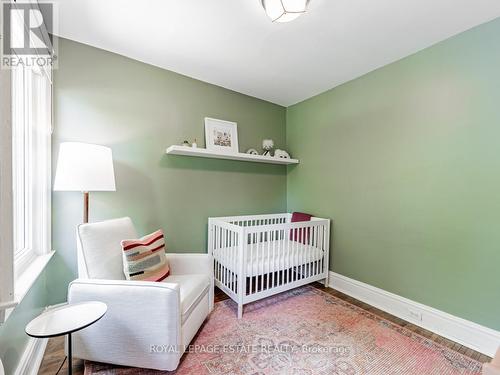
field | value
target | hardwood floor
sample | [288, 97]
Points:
[54, 354]
[54, 357]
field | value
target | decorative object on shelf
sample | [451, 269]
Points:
[252, 151]
[267, 145]
[284, 10]
[281, 154]
[84, 167]
[186, 144]
[194, 145]
[221, 135]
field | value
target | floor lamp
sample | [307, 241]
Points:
[84, 167]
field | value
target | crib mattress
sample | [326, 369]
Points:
[270, 256]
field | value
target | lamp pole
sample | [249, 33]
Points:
[85, 207]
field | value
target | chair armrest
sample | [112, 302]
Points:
[141, 316]
[185, 264]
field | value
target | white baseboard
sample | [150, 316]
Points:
[464, 332]
[32, 357]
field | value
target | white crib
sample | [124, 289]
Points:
[258, 256]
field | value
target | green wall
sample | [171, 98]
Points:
[406, 161]
[139, 110]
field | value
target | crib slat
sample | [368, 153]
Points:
[289, 253]
[281, 260]
[219, 232]
[299, 251]
[292, 255]
[230, 259]
[221, 255]
[224, 256]
[285, 255]
[218, 251]
[268, 258]
[227, 251]
[274, 260]
[250, 262]
[261, 268]
[221, 244]
[313, 265]
[306, 251]
[233, 261]
[257, 262]
[296, 256]
[235, 272]
[292, 258]
[317, 245]
[320, 236]
[303, 253]
[322, 247]
[279, 275]
[325, 248]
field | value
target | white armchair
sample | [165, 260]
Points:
[148, 324]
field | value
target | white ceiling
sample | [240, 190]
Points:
[232, 43]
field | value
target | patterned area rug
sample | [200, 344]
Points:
[307, 332]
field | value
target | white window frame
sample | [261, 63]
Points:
[7, 299]
[29, 129]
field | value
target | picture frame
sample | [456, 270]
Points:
[221, 136]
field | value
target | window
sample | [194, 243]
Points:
[31, 152]
[25, 178]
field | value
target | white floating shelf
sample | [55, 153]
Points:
[204, 153]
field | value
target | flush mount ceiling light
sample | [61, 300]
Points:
[284, 10]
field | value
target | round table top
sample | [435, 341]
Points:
[66, 319]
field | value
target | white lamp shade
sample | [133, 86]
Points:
[284, 10]
[84, 167]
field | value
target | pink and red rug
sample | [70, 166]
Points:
[307, 332]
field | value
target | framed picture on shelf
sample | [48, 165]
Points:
[221, 135]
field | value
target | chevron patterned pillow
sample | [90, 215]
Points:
[144, 259]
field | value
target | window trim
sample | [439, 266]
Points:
[32, 167]
[17, 276]
[6, 197]
[32, 105]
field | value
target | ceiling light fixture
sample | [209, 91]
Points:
[284, 10]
